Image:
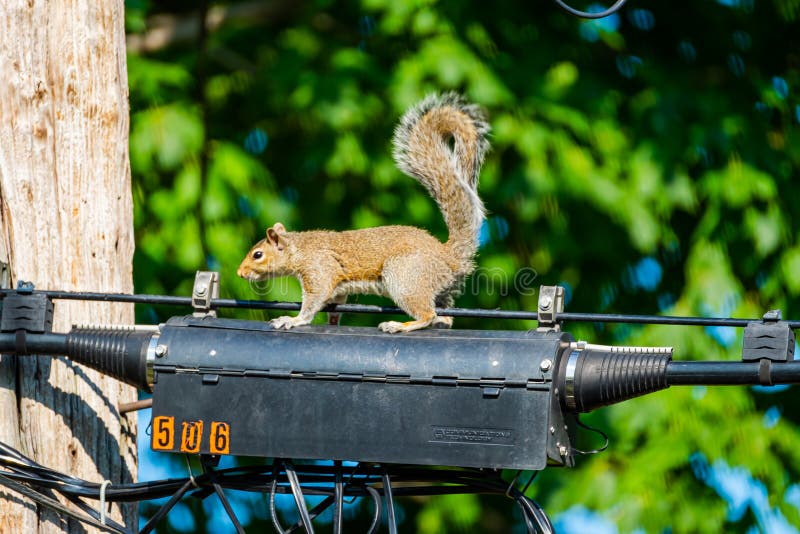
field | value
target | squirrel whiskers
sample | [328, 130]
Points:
[441, 142]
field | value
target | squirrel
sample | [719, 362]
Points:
[440, 142]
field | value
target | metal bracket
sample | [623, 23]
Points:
[25, 288]
[551, 303]
[769, 339]
[206, 288]
[26, 310]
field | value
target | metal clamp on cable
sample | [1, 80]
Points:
[569, 375]
[27, 310]
[767, 341]
[206, 288]
[24, 312]
[551, 303]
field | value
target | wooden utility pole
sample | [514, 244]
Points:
[66, 222]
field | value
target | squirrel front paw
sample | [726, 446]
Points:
[442, 322]
[392, 327]
[286, 322]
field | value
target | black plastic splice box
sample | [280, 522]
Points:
[431, 397]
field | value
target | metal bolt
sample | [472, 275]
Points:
[545, 302]
[562, 450]
[552, 430]
[161, 351]
[546, 365]
[201, 289]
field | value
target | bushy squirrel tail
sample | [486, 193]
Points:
[441, 143]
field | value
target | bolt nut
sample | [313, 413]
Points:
[546, 365]
[161, 351]
[201, 289]
[545, 302]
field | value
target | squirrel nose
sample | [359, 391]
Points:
[240, 272]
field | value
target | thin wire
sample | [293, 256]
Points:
[376, 519]
[297, 491]
[167, 300]
[591, 429]
[164, 510]
[313, 513]
[387, 492]
[228, 509]
[589, 15]
[528, 483]
[338, 489]
[350, 479]
[513, 481]
[272, 512]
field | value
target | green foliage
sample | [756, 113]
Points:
[675, 141]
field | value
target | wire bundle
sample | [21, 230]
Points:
[333, 481]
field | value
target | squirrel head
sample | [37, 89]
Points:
[267, 257]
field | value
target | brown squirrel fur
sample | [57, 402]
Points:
[441, 143]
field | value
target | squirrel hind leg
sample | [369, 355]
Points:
[445, 300]
[394, 327]
[413, 282]
[334, 317]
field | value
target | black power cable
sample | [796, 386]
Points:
[166, 300]
[49, 502]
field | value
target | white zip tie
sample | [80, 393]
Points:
[103, 486]
[189, 468]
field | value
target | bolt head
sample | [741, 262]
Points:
[546, 365]
[201, 289]
[545, 302]
[161, 351]
[562, 450]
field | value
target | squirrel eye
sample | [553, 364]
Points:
[257, 255]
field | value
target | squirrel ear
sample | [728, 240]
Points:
[276, 236]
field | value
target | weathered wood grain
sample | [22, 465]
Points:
[66, 222]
